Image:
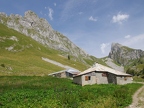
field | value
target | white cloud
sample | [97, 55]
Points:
[127, 36]
[50, 13]
[119, 18]
[92, 19]
[45, 7]
[55, 4]
[103, 46]
[136, 40]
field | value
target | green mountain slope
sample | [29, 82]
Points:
[21, 55]
[41, 31]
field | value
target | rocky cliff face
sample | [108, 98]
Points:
[123, 55]
[41, 31]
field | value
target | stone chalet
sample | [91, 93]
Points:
[100, 74]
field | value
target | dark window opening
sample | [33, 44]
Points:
[87, 78]
[104, 74]
[125, 78]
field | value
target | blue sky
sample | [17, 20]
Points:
[91, 24]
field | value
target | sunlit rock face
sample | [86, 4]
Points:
[122, 54]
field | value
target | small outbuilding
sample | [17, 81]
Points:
[59, 74]
[68, 73]
[100, 74]
[71, 73]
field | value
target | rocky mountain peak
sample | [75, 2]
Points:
[30, 13]
[122, 54]
[31, 16]
[3, 14]
[114, 45]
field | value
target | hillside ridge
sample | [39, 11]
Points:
[40, 30]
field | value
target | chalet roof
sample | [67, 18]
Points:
[102, 68]
[72, 71]
[57, 72]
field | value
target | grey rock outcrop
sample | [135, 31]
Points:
[40, 30]
[110, 63]
[122, 54]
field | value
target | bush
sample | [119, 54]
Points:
[3, 65]
[131, 71]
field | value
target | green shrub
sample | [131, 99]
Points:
[3, 65]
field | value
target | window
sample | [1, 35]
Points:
[87, 78]
[104, 74]
[125, 78]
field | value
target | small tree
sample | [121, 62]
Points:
[3, 65]
[68, 57]
[143, 71]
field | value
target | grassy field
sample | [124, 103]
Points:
[49, 92]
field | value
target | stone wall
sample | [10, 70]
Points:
[77, 80]
[124, 80]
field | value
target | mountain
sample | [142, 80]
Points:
[123, 55]
[21, 55]
[40, 30]
[25, 40]
[128, 58]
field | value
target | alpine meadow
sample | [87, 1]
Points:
[44, 61]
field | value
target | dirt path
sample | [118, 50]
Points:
[138, 99]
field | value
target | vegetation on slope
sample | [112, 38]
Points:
[21, 55]
[27, 92]
[136, 68]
